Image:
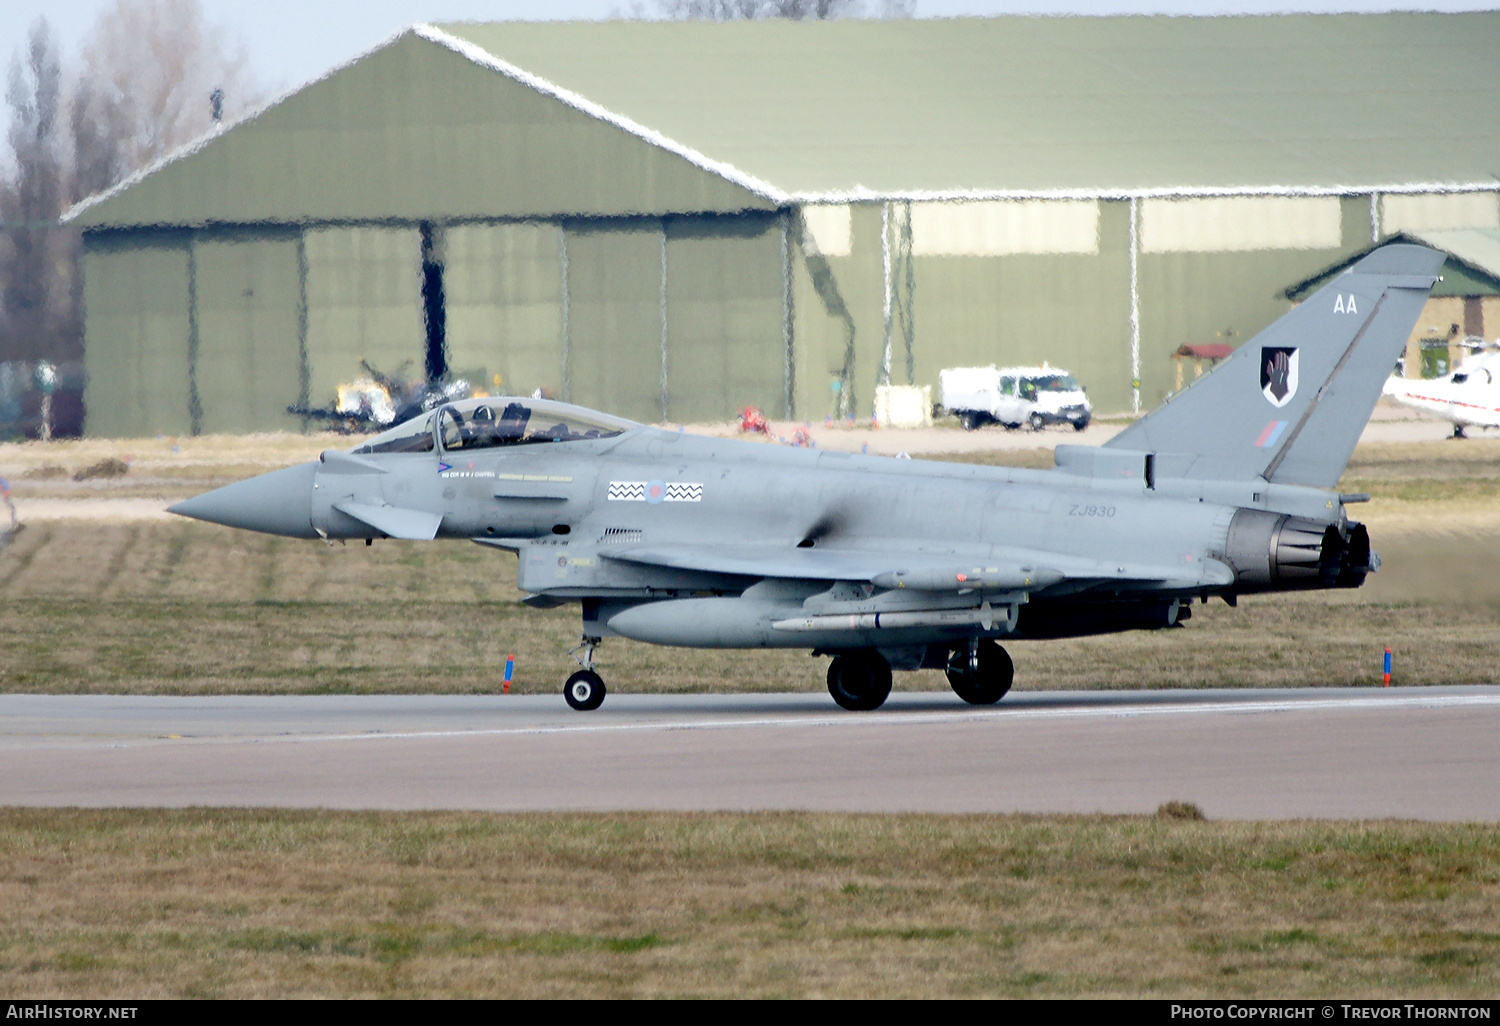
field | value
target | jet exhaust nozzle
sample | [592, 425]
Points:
[1276, 551]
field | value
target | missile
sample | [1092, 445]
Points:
[986, 616]
[964, 579]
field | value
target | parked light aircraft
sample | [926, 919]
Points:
[1469, 397]
[886, 564]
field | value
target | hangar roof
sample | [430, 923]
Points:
[1043, 104]
[603, 118]
[1472, 269]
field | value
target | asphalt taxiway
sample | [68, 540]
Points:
[1425, 753]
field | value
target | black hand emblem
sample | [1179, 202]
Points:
[1278, 369]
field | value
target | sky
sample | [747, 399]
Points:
[291, 42]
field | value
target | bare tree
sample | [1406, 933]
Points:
[34, 268]
[754, 10]
[143, 89]
[152, 66]
[99, 130]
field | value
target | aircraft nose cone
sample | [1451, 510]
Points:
[276, 503]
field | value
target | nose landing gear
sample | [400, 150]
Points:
[980, 672]
[585, 689]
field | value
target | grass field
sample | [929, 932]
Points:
[229, 903]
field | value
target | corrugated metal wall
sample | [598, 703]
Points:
[504, 304]
[582, 310]
[249, 362]
[724, 298]
[364, 301]
[614, 355]
[1069, 309]
[136, 352]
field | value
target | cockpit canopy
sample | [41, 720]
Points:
[496, 421]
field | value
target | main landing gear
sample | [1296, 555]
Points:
[980, 671]
[859, 681]
[585, 689]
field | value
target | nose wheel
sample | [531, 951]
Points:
[584, 690]
[980, 672]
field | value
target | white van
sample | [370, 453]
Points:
[1013, 396]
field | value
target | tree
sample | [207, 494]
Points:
[796, 10]
[142, 90]
[99, 130]
[151, 66]
[35, 274]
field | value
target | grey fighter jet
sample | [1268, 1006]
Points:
[885, 564]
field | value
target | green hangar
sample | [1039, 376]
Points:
[671, 220]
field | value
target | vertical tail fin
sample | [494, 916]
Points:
[1290, 404]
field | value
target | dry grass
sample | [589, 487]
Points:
[231, 903]
[165, 468]
[187, 608]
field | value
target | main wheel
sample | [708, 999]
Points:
[1037, 422]
[970, 421]
[860, 681]
[987, 684]
[1081, 425]
[584, 690]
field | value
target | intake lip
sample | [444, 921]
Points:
[276, 503]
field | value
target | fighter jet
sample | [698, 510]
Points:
[1469, 397]
[892, 564]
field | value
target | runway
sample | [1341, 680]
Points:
[1422, 753]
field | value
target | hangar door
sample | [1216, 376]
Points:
[504, 306]
[249, 365]
[136, 337]
[613, 308]
[725, 344]
[364, 301]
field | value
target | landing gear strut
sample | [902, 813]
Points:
[859, 681]
[585, 689]
[980, 671]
